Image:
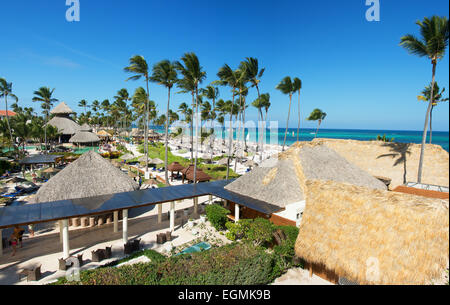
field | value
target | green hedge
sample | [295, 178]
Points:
[217, 215]
[234, 264]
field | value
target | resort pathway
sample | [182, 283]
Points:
[46, 249]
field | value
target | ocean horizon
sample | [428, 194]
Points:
[307, 134]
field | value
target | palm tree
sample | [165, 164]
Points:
[317, 115]
[165, 74]
[84, 104]
[187, 113]
[297, 83]
[122, 97]
[228, 77]
[432, 44]
[221, 109]
[211, 93]
[286, 87]
[105, 106]
[265, 101]
[139, 67]
[253, 75]
[193, 75]
[44, 95]
[5, 90]
[426, 93]
[261, 102]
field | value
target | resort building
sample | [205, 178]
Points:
[280, 183]
[84, 136]
[3, 113]
[62, 120]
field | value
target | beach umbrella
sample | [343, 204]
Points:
[250, 163]
[127, 157]
[51, 170]
[156, 161]
[223, 161]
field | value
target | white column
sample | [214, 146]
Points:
[60, 231]
[65, 231]
[160, 213]
[172, 216]
[116, 221]
[125, 226]
[236, 212]
[1, 242]
[210, 199]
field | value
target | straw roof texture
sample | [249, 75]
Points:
[281, 182]
[103, 133]
[66, 126]
[394, 160]
[201, 176]
[352, 229]
[84, 137]
[175, 167]
[62, 108]
[85, 127]
[127, 156]
[90, 175]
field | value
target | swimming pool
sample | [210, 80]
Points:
[202, 246]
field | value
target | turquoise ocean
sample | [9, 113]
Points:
[403, 136]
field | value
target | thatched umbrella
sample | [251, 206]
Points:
[51, 170]
[104, 134]
[127, 156]
[188, 174]
[156, 161]
[250, 163]
[175, 167]
[90, 175]
[222, 161]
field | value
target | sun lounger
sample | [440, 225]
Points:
[32, 274]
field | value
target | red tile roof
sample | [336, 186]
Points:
[10, 113]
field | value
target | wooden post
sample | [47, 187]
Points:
[116, 221]
[125, 226]
[160, 213]
[172, 216]
[195, 206]
[310, 270]
[60, 231]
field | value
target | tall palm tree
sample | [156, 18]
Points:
[253, 75]
[165, 74]
[123, 97]
[265, 101]
[297, 83]
[84, 104]
[432, 44]
[211, 93]
[286, 86]
[317, 115]
[187, 113]
[139, 67]
[221, 109]
[228, 77]
[193, 76]
[5, 91]
[44, 95]
[426, 93]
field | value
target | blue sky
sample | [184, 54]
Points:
[352, 69]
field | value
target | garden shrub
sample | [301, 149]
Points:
[4, 166]
[217, 215]
[260, 231]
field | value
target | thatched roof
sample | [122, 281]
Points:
[156, 161]
[90, 175]
[394, 160]
[175, 167]
[66, 126]
[127, 156]
[85, 127]
[200, 176]
[350, 229]
[281, 182]
[103, 133]
[84, 137]
[62, 108]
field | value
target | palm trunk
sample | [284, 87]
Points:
[298, 127]
[146, 129]
[424, 135]
[230, 139]
[7, 121]
[431, 122]
[260, 135]
[166, 153]
[45, 132]
[317, 130]
[192, 128]
[196, 135]
[287, 123]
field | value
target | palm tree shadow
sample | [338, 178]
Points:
[399, 150]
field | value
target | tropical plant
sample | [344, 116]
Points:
[83, 104]
[187, 113]
[317, 115]
[432, 44]
[44, 95]
[286, 86]
[426, 93]
[5, 91]
[139, 67]
[193, 76]
[297, 84]
[165, 74]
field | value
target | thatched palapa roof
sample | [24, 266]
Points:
[175, 167]
[103, 133]
[90, 175]
[394, 160]
[201, 176]
[65, 125]
[281, 182]
[62, 109]
[84, 137]
[374, 236]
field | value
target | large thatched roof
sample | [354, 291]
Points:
[84, 137]
[90, 175]
[62, 108]
[65, 125]
[200, 175]
[282, 182]
[398, 161]
[352, 230]
[85, 127]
